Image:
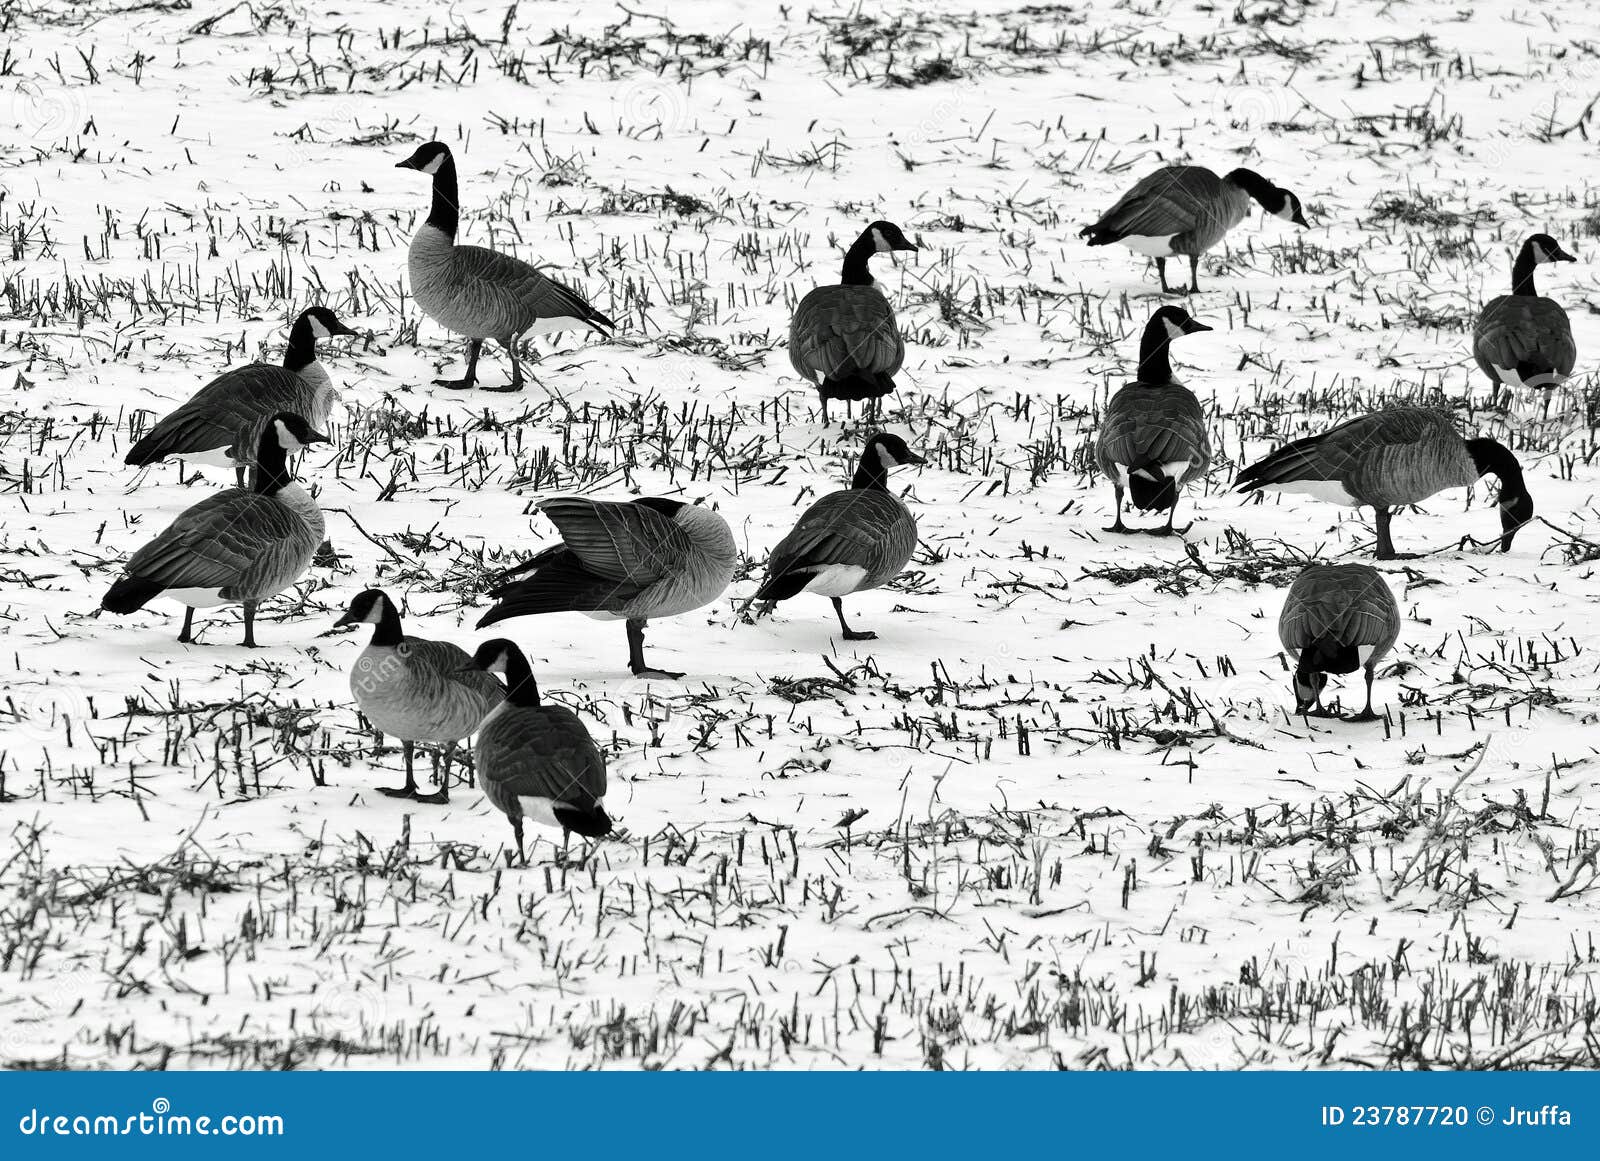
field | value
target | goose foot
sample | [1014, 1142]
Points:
[1122, 529]
[439, 797]
[505, 390]
[860, 635]
[656, 674]
[406, 791]
[456, 384]
[1365, 716]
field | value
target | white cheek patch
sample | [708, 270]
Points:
[318, 330]
[888, 461]
[1174, 331]
[434, 166]
[879, 242]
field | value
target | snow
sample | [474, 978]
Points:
[1059, 812]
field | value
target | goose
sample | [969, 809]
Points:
[415, 689]
[1522, 339]
[478, 292]
[1186, 209]
[537, 761]
[236, 546]
[1153, 439]
[634, 561]
[1337, 618]
[848, 541]
[222, 422]
[844, 338]
[1389, 459]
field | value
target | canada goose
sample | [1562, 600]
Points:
[234, 546]
[221, 424]
[1153, 439]
[477, 292]
[1186, 209]
[844, 338]
[537, 761]
[1389, 459]
[1337, 618]
[1522, 339]
[415, 689]
[634, 561]
[848, 541]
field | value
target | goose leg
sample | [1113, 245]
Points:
[1366, 715]
[1161, 270]
[409, 790]
[516, 829]
[510, 344]
[824, 410]
[239, 471]
[1119, 526]
[849, 633]
[1194, 274]
[250, 624]
[442, 795]
[636, 655]
[1380, 520]
[186, 636]
[471, 377]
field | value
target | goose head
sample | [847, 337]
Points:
[291, 432]
[1276, 200]
[1307, 689]
[429, 158]
[1173, 322]
[323, 323]
[495, 656]
[1544, 248]
[886, 236]
[367, 608]
[891, 451]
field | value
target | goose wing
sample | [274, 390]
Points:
[540, 752]
[221, 541]
[840, 330]
[1168, 201]
[514, 295]
[863, 528]
[227, 413]
[1145, 426]
[1348, 604]
[1530, 336]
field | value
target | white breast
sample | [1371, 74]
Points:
[216, 457]
[196, 598]
[1153, 247]
[836, 580]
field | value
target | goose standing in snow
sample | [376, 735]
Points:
[844, 338]
[416, 690]
[1389, 459]
[221, 424]
[537, 761]
[633, 562]
[236, 546]
[1187, 209]
[1337, 618]
[478, 292]
[848, 541]
[1153, 439]
[1522, 339]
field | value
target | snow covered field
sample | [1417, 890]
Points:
[1060, 814]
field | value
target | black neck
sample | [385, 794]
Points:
[1494, 457]
[387, 630]
[521, 689]
[855, 260]
[1522, 272]
[1256, 186]
[272, 464]
[302, 350]
[1154, 364]
[446, 212]
[871, 472]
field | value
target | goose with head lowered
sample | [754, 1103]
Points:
[534, 760]
[848, 541]
[1388, 459]
[221, 424]
[239, 546]
[1337, 618]
[1153, 438]
[632, 562]
[844, 339]
[1187, 209]
[1522, 339]
[415, 689]
[478, 292]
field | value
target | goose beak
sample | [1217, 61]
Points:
[318, 437]
[340, 328]
[406, 164]
[913, 458]
[1192, 327]
[348, 619]
[1562, 256]
[1299, 219]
